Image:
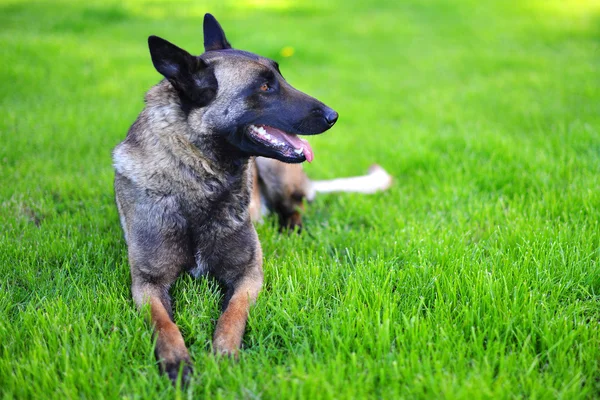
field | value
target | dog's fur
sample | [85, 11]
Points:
[284, 189]
[184, 176]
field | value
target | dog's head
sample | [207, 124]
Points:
[241, 98]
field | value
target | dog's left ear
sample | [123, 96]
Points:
[214, 37]
[190, 75]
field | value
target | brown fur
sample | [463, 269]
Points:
[284, 189]
[281, 188]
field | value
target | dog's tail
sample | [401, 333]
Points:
[377, 179]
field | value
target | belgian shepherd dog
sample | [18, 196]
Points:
[184, 177]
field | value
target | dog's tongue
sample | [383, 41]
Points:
[303, 144]
[292, 140]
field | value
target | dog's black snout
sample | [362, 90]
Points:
[330, 116]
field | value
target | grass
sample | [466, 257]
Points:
[476, 276]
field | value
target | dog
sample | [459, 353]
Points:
[184, 177]
[284, 189]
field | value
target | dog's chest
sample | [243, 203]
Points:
[201, 267]
[216, 204]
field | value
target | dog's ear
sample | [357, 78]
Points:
[190, 75]
[171, 61]
[214, 37]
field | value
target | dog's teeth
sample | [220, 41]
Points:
[262, 133]
[298, 151]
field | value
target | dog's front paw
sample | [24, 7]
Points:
[174, 359]
[224, 347]
[173, 370]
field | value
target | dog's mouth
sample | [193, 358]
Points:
[287, 145]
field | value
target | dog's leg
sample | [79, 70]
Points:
[170, 347]
[238, 299]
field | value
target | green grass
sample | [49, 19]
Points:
[476, 276]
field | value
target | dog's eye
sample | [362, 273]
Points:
[265, 87]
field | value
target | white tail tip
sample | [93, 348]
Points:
[377, 179]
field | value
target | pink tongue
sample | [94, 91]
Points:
[308, 152]
[293, 140]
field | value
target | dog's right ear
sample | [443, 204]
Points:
[190, 75]
[214, 37]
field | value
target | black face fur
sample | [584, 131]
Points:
[262, 113]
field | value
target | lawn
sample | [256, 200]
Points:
[476, 276]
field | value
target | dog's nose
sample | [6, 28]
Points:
[330, 116]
